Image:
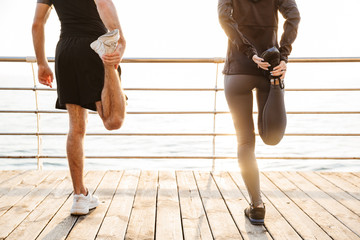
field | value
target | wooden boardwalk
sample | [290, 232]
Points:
[179, 205]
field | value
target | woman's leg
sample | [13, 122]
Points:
[238, 92]
[272, 113]
[262, 93]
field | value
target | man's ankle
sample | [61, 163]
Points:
[83, 191]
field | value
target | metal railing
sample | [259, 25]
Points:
[215, 112]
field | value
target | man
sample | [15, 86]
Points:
[84, 80]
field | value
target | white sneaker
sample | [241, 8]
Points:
[82, 204]
[106, 43]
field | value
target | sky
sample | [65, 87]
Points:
[190, 28]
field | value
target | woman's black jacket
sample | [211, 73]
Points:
[251, 27]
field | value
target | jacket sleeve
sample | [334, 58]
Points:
[228, 23]
[290, 12]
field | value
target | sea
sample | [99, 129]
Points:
[184, 75]
[163, 28]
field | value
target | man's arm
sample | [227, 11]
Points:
[42, 13]
[108, 15]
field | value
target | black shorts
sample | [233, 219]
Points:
[79, 73]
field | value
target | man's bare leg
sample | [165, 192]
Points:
[111, 108]
[75, 146]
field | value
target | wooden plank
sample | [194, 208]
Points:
[22, 208]
[16, 192]
[168, 220]
[348, 218]
[348, 187]
[356, 174]
[87, 226]
[221, 221]
[275, 223]
[351, 178]
[194, 221]
[31, 227]
[5, 176]
[61, 224]
[236, 204]
[117, 218]
[324, 219]
[142, 219]
[9, 184]
[332, 190]
[302, 224]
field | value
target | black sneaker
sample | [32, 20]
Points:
[255, 215]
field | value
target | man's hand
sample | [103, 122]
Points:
[115, 57]
[45, 75]
[260, 62]
[108, 15]
[280, 70]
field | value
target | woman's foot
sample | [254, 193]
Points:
[255, 215]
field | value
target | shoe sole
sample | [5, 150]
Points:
[256, 221]
[109, 34]
[107, 39]
[93, 206]
[83, 211]
[79, 212]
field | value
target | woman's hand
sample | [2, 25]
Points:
[115, 57]
[260, 62]
[279, 70]
[45, 75]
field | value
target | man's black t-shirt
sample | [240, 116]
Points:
[77, 17]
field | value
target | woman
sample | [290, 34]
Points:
[251, 27]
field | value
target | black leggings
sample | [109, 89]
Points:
[271, 122]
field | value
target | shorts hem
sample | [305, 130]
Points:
[90, 105]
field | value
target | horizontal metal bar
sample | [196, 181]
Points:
[27, 89]
[181, 112]
[184, 157]
[193, 89]
[324, 59]
[183, 134]
[174, 60]
[197, 60]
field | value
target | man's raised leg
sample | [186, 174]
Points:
[75, 146]
[111, 108]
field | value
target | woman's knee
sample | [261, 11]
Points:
[246, 150]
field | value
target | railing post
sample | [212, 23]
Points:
[214, 122]
[39, 144]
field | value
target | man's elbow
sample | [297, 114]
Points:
[36, 26]
[38, 23]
